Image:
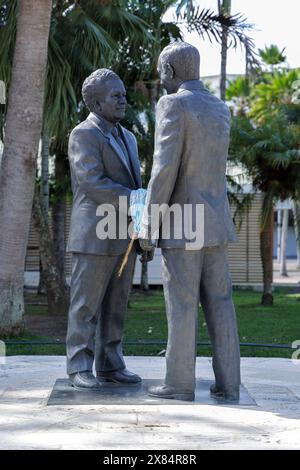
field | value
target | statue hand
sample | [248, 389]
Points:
[146, 244]
[147, 255]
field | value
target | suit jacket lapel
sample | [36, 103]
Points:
[118, 150]
[113, 143]
[133, 156]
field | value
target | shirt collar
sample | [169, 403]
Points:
[191, 85]
[107, 126]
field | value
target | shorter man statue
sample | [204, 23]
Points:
[104, 166]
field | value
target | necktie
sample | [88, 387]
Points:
[119, 140]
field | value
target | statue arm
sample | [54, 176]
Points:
[169, 139]
[88, 169]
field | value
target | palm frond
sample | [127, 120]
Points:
[242, 204]
[90, 33]
[187, 5]
[119, 20]
[60, 107]
[8, 29]
[284, 159]
[210, 25]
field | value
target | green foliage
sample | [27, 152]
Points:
[126, 36]
[60, 110]
[210, 25]
[271, 55]
[146, 320]
[240, 87]
[265, 135]
[237, 199]
[141, 78]
[273, 94]
[8, 30]
[270, 153]
[83, 36]
[238, 91]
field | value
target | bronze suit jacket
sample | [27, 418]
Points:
[99, 175]
[191, 147]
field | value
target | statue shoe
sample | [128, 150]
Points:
[120, 376]
[84, 381]
[166, 391]
[228, 395]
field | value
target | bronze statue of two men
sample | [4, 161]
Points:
[189, 164]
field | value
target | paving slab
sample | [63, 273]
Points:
[26, 422]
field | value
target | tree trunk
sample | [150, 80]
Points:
[57, 290]
[45, 197]
[45, 173]
[42, 290]
[247, 65]
[144, 276]
[58, 211]
[296, 212]
[21, 140]
[284, 235]
[279, 228]
[224, 9]
[224, 48]
[266, 250]
[153, 97]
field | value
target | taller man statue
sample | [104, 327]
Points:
[104, 166]
[191, 147]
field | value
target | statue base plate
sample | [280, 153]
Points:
[116, 394]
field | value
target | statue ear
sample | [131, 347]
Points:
[170, 71]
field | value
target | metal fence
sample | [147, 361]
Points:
[253, 346]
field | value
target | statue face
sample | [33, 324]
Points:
[166, 75]
[112, 104]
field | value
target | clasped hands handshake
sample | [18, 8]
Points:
[137, 205]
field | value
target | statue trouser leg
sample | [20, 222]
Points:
[91, 276]
[185, 274]
[181, 279]
[109, 331]
[217, 304]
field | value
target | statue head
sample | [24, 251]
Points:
[177, 63]
[104, 93]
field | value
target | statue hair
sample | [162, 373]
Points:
[93, 85]
[183, 58]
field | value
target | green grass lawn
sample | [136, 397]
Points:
[146, 320]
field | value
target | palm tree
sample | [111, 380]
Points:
[226, 29]
[296, 213]
[238, 91]
[22, 133]
[83, 36]
[224, 7]
[270, 155]
[97, 32]
[269, 107]
[274, 93]
[143, 85]
[55, 284]
[87, 34]
[272, 56]
[283, 242]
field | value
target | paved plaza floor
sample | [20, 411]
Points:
[26, 422]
